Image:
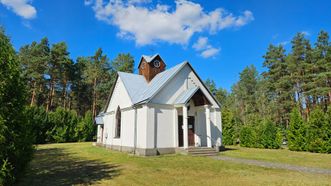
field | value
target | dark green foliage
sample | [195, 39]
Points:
[261, 135]
[248, 136]
[15, 135]
[229, 135]
[63, 124]
[269, 136]
[317, 132]
[37, 118]
[296, 134]
[60, 125]
[86, 129]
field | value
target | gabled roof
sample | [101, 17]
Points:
[138, 88]
[149, 59]
[140, 91]
[184, 97]
[134, 84]
[159, 81]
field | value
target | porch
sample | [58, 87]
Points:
[193, 122]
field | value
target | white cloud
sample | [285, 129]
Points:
[201, 43]
[209, 52]
[206, 50]
[162, 23]
[22, 8]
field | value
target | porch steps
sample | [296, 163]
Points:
[202, 151]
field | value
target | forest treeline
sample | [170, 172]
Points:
[288, 103]
[47, 97]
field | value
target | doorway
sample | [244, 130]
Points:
[191, 130]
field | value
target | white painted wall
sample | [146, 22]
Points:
[173, 88]
[142, 127]
[164, 127]
[120, 97]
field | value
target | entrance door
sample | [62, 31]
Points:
[191, 141]
[190, 122]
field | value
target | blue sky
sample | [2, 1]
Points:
[219, 38]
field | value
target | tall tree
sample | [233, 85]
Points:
[245, 93]
[56, 70]
[278, 83]
[34, 59]
[97, 74]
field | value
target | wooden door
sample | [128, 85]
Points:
[191, 141]
[180, 131]
[190, 122]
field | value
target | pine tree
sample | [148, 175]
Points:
[296, 134]
[278, 83]
[317, 136]
[97, 75]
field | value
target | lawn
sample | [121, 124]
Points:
[306, 159]
[84, 164]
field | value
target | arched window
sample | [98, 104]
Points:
[118, 123]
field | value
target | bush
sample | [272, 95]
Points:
[247, 136]
[296, 134]
[270, 136]
[229, 135]
[37, 117]
[63, 124]
[317, 133]
[85, 130]
[261, 135]
[15, 134]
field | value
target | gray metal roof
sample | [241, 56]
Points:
[185, 96]
[140, 91]
[149, 58]
[134, 84]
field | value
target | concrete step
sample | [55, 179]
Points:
[201, 151]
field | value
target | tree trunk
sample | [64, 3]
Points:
[33, 97]
[307, 108]
[64, 94]
[50, 96]
[94, 97]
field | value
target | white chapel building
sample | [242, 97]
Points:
[159, 111]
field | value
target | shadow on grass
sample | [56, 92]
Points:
[223, 149]
[54, 166]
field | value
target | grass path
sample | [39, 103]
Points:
[84, 164]
[274, 165]
[305, 159]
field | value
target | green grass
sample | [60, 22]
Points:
[84, 164]
[306, 159]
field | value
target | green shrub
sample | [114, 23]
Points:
[270, 136]
[317, 132]
[15, 134]
[296, 133]
[85, 130]
[63, 124]
[247, 136]
[228, 127]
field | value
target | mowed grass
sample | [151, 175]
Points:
[84, 164]
[307, 159]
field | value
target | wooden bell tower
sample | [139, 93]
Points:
[150, 66]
